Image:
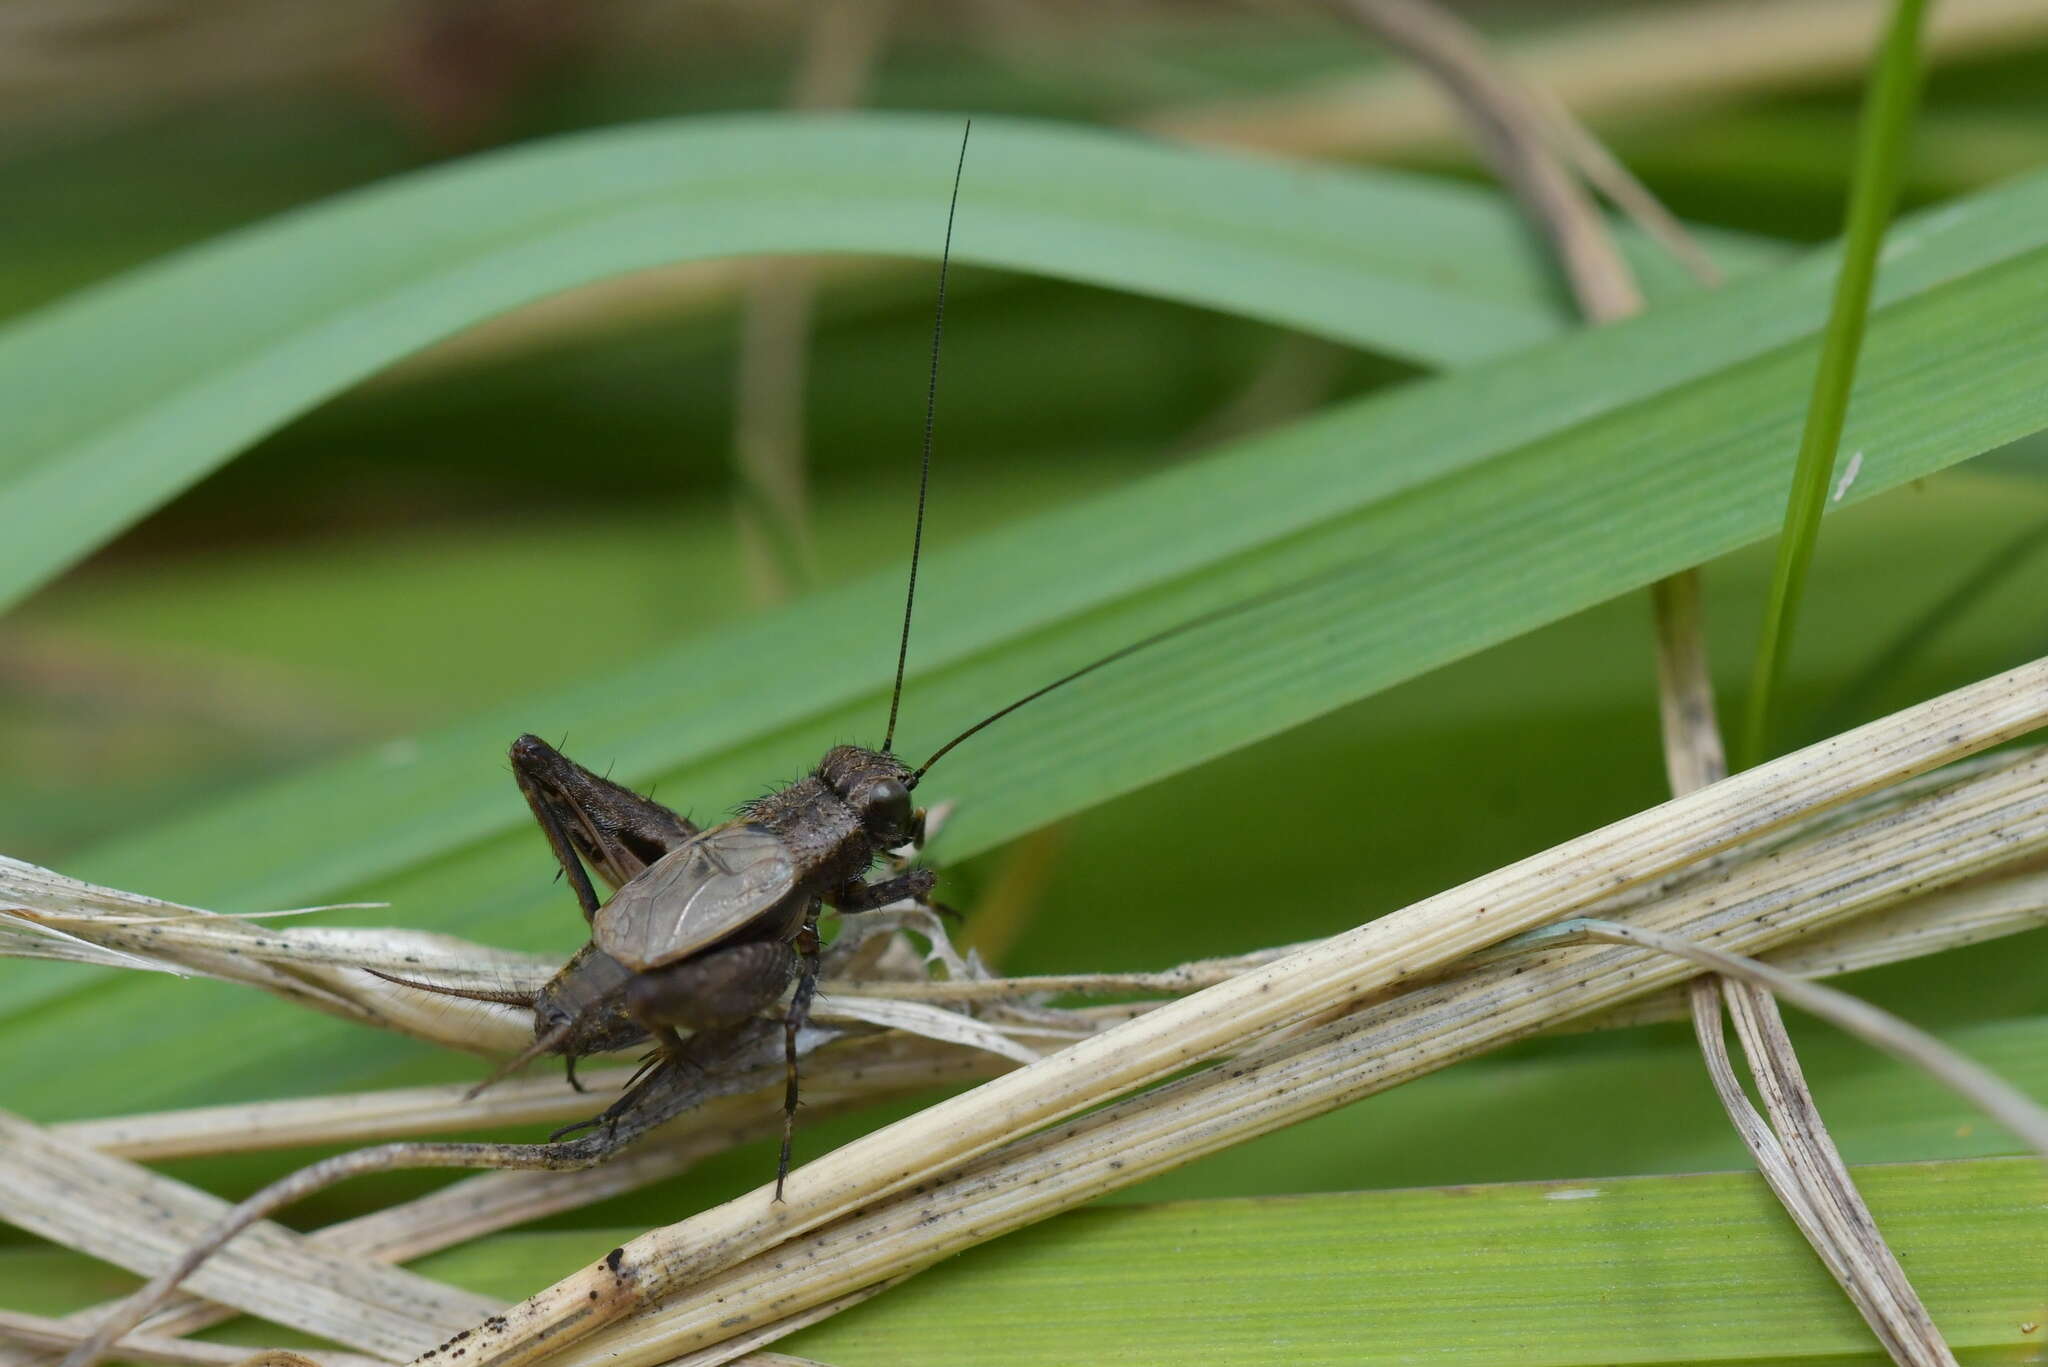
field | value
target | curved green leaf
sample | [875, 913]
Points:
[137, 388]
[1429, 523]
[1469, 509]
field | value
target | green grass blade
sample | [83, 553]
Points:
[1470, 509]
[1666, 1270]
[135, 389]
[1880, 160]
[1555, 464]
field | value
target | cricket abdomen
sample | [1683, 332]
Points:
[713, 990]
[587, 994]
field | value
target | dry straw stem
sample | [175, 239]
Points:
[1849, 1261]
[1801, 856]
[1273, 1083]
[1660, 61]
[321, 967]
[1913, 929]
[125, 1214]
[47, 1333]
[346, 1118]
[860, 1073]
[904, 1172]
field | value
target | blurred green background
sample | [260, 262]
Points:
[554, 495]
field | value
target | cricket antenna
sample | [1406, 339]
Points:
[924, 476]
[1199, 620]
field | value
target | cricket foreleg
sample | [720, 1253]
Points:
[913, 886]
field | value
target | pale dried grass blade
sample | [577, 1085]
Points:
[345, 1118]
[1766, 1148]
[131, 1217]
[1187, 977]
[38, 1332]
[1330, 978]
[932, 1022]
[38, 941]
[1902, 1323]
[1914, 928]
[1925, 925]
[1663, 58]
[1873, 1025]
[1270, 1085]
[317, 966]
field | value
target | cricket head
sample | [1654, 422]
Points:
[877, 786]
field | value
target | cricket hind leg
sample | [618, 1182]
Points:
[590, 820]
[707, 994]
[644, 1079]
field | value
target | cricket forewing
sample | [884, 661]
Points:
[722, 881]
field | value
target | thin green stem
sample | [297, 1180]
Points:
[1880, 154]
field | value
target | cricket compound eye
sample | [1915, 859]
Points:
[885, 808]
